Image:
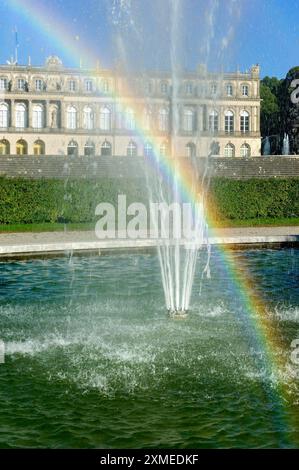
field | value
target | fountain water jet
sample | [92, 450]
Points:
[177, 262]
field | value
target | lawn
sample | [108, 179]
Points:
[59, 227]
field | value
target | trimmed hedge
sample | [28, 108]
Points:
[254, 198]
[39, 201]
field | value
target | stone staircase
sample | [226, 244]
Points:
[57, 166]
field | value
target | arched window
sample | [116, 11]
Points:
[245, 151]
[147, 119]
[148, 149]
[3, 115]
[132, 149]
[163, 120]
[105, 118]
[89, 148]
[37, 116]
[245, 90]
[39, 148]
[229, 150]
[129, 119]
[213, 121]
[20, 112]
[188, 120]
[88, 118]
[72, 148]
[71, 117]
[191, 150]
[106, 149]
[22, 147]
[229, 122]
[4, 147]
[164, 149]
[244, 121]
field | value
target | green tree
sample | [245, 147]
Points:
[270, 110]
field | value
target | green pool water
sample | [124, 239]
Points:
[92, 360]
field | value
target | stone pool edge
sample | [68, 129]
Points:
[121, 245]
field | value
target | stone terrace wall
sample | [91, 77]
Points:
[127, 167]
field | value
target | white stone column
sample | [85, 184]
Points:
[47, 116]
[12, 114]
[199, 119]
[62, 115]
[29, 114]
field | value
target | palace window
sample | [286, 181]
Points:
[188, 88]
[191, 150]
[163, 120]
[72, 148]
[245, 90]
[213, 88]
[164, 87]
[106, 149]
[105, 118]
[72, 85]
[88, 85]
[88, 118]
[229, 122]
[229, 90]
[89, 149]
[20, 114]
[148, 149]
[132, 149]
[21, 147]
[148, 88]
[4, 147]
[163, 149]
[38, 85]
[3, 115]
[245, 151]
[105, 86]
[71, 117]
[21, 84]
[3, 84]
[130, 119]
[213, 121]
[39, 148]
[229, 150]
[37, 116]
[244, 122]
[188, 120]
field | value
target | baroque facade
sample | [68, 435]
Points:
[54, 110]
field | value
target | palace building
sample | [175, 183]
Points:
[55, 110]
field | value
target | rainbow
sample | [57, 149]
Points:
[264, 333]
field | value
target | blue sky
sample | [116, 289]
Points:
[237, 33]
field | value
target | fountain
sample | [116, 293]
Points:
[91, 359]
[286, 145]
[177, 256]
[267, 146]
